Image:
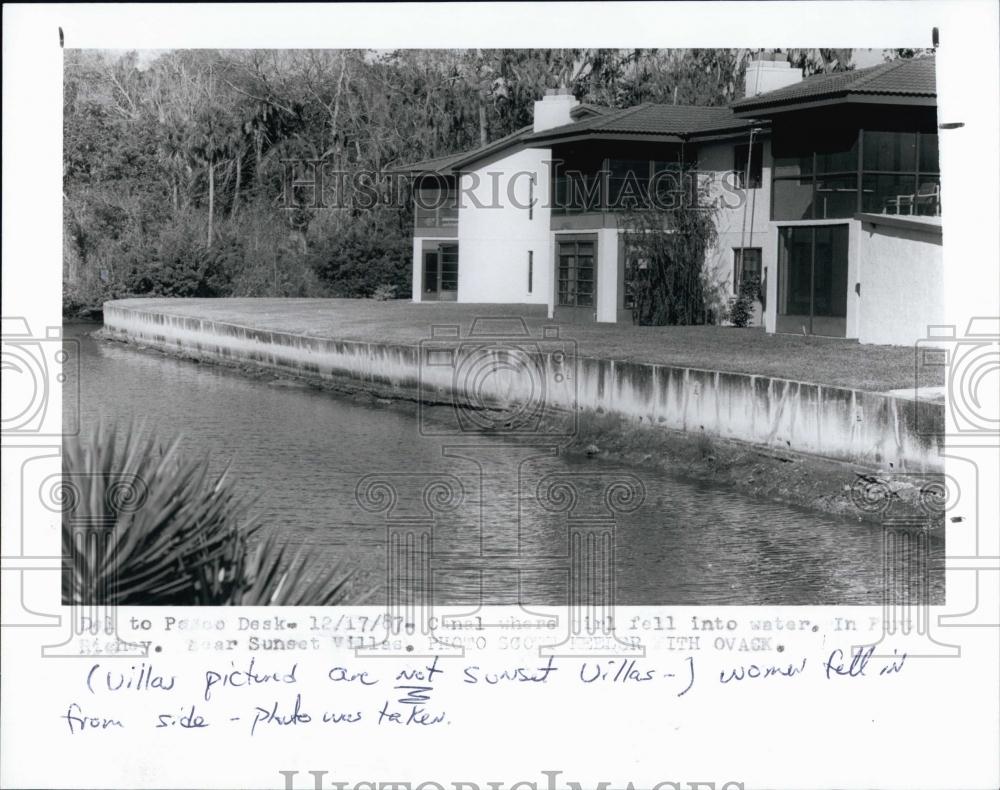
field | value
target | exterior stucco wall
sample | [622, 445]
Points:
[902, 284]
[743, 218]
[496, 230]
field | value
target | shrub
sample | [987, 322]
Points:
[145, 526]
[360, 257]
[384, 293]
[741, 314]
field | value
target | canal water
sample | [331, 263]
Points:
[504, 514]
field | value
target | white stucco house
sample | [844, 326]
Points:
[828, 190]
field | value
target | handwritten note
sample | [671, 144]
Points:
[261, 696]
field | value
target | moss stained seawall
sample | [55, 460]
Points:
[874, 430]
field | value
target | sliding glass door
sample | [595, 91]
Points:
[812, 280]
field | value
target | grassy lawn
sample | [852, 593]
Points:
[842, 363]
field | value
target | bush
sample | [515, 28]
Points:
[361, 257]
[741, 314]
[145, 526]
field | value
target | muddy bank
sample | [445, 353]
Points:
[848, 490]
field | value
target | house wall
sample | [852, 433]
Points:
[743, 219]
[496, 230]
[902, 283]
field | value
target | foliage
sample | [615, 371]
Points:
[741, 314]
[384, 293]
[177, 153]
[145, 526]
[362, 256]
[671, 285]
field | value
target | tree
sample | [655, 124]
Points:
[667, 245]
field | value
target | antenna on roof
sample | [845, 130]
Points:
[934, 37]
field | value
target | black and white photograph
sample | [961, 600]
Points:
[638, 371]
[499, 314]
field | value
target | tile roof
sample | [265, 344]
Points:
[903, 77]
[659, 119]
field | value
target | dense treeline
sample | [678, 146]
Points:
[173, 162]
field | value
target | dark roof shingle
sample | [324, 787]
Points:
[903, 77]
[660, 119]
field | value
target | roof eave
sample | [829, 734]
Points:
[763, 110]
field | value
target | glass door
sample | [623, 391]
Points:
[441, 274]
[576, 260]
[812, 280]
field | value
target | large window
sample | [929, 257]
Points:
[576, 273]
[620, 183]
[435, 208]
[844, 172]
[900, 173]
[743, 156]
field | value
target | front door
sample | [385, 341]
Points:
[441, 274]
[812, 280]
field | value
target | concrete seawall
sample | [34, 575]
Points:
[875, 430]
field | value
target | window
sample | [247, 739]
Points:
[576, 273]
[900, 173]
[747, 263]
[740, 161]
[435, 208]
[531, 269]
[849, 171]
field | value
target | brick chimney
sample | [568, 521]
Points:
[767, 73]
[554, 109]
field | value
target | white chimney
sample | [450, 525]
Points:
[765, 75]
[554, 109]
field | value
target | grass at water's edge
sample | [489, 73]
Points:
[757, 471]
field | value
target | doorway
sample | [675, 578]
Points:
[812, 280]
[441, 274]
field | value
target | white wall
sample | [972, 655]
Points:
[607, 274]
[743, 219]
[902, 284]
[496, 230]
[417, 279]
